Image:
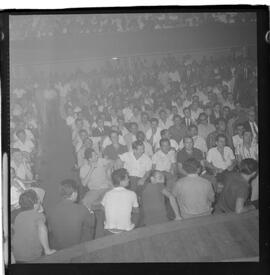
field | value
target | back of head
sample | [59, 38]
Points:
[68, 187]
[191, 166]
[118, 176]
[248, 166]
[28, 199]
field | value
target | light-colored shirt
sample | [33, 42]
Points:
[136, 167]
[165, 125]
[96, 178]
[162, 161]
[215, 157]
[118, 204]
[156, 136]
[194, 195]
[237, 141]
[244, 152]
[27, 146]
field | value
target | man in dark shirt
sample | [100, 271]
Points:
[101, 130]
[236, 189]
[70, 223]
[177, 130]
[115, 149]
[186, 153]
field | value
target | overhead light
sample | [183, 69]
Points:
[115, 58]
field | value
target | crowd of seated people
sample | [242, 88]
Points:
[45, 26]
[145, 155]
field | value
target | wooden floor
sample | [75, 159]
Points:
[228, 237]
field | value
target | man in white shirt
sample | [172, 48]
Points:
[119, 204]
[221, 157]
[144, 125]
[195, 111]
[205, 128]
[164, 121]
[166, 134]
[238, 138]
[153, 134]
[164, 159]
[138, 165]
[148, 150]
[23, 144]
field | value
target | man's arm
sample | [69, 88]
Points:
[240, 208]
[43, 237]
[173, 203]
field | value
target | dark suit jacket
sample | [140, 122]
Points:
[97, 133]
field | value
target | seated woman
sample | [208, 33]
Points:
[30, 239]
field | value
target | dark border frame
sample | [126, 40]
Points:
[263, 59]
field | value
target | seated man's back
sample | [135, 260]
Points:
[70, 224]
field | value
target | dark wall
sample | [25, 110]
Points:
[121, 44]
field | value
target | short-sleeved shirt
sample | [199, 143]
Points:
[182, 155]
[214, 157]
[153, 204]
[194, 195]
[112, 153]
[96, 178]
[163, 161]
[26, 244]
[235, 186]
[118, 204]
[136, 167]
[70, 224]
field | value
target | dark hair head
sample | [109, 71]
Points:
[133, 124]
[176, 116]
[28, 199]
[136, 144]
[248, 166]
[193, 126]
[153, 119]
[191, 165]
[163, 132]
[220, 120]
[118, 176]
[78, 120]
[220, 136]
[114, 132]
[186, 108]
[68, 187]
[164, 140]
[83, 131]
[140, 133]
[88, 153]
